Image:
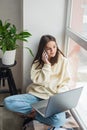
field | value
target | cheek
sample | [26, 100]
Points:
[55, 50]
[48, 52]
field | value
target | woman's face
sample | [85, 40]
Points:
[51, 49]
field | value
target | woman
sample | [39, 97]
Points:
[49, 75]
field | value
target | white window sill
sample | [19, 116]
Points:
[80, 112]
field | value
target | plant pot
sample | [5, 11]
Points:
[8, 57]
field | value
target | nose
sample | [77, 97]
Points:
[52, 50]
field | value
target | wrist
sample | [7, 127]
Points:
[47, 62]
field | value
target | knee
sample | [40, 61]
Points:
[58, 119]
[7, 102]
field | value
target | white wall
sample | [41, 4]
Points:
[39, 17]
[11, 9]
[42, 17]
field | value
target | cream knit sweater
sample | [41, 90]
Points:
[50, 79]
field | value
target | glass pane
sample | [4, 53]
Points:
[79, 17]
[78, 63]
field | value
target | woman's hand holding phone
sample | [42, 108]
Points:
[45, 57]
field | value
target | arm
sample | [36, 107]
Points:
[66, 77]
[41, 75]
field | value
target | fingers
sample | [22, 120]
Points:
[44, 55]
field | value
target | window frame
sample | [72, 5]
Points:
[80, 40]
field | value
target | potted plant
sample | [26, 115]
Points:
[8, 41]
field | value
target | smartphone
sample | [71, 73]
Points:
[46, 54]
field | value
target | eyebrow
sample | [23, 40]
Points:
[50, 47]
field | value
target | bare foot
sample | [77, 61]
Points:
[32, 114]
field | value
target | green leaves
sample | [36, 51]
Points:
[23, 36]
[30, 51]
[0, 23]
[9, 36]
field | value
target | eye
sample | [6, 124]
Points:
[54, 46]
[47, 49]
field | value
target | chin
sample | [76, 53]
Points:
[52, 55]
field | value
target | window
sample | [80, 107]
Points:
[79, 17]
[76, 49]
[78, 61]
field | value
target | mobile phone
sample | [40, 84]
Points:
[46, 54]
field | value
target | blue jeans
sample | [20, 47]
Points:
[22, 104]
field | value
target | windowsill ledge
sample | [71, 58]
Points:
[80, 112]
[78, 119]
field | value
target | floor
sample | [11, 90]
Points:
[9, 120]
[12, 121]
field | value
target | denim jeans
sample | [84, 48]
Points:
[22, 104]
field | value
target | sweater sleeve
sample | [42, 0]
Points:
[40, 76]
[64, 86]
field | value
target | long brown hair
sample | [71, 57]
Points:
[43, 41]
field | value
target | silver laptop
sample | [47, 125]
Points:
[58, 103]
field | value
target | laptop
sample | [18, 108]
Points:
[58, 103]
